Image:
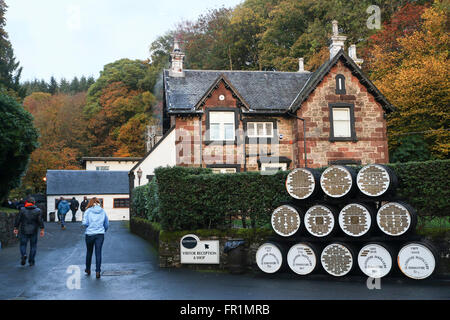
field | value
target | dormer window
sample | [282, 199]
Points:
[221, 125]
[340, 84]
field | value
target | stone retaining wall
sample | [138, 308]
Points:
[168, 245]
[7, 236]
[169, 253]
[145, 230]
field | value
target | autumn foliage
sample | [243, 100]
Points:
[62, 126]
[413, 73]
[407, 60]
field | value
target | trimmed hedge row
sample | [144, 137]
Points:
[145, 202]
[193, 198]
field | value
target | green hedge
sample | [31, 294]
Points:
[196, 199]
[145, 202]
[424, 185]
[193, 198]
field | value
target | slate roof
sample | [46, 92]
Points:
[323, 70]
[261, 90]
[77, 182]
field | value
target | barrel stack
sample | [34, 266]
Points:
[341, 222]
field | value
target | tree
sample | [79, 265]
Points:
[53, 87]
[62, 127]
[414, 77]
[121, 93]
[18, 139]
[9, 68]
[75, 85]
[64, 86]
[405, 21]
[411, 148]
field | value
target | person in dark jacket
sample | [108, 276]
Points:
[27, 224]
[83, 206]
[74, 205]
[57, 201]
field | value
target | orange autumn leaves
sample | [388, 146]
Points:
[61, 125]
[413, 75]
[118, 129]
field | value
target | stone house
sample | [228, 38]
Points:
[235, 121]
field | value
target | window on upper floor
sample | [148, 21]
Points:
[340, 84]
[260, 129]
[102, 168]
[342, 123]
[222, 126]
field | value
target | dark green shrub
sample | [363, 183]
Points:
[152, 204]
[412, 147]
[18, 139]
[424, 185]
[191, 199]
[175, 205]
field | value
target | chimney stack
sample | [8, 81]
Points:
[352, 55]
[337, 41]
[176, 61]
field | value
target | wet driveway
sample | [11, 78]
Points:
[131, 272]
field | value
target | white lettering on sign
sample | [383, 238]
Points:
[194, 251]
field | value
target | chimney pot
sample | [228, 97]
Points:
[177, 59]
[337, 41]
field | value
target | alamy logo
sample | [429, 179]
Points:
[373, 283]
[374, 21]
[74, 280]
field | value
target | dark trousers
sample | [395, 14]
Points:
[74, 215]
[32, 238]
[96, 241]
[62, 218]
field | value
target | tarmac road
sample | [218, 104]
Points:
[131, 272]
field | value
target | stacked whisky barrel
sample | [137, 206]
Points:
[344, 222]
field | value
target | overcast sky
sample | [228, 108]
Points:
[68, 38]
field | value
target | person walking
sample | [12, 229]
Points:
[57, 201]
[96, 222]
[26, 226]
[83, 206]
[63, 208]
[74, 205]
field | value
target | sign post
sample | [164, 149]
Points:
[194, 251]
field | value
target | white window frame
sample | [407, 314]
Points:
[255, 129]
[339, 121]
[222, 118]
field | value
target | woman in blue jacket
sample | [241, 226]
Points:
[96, 222]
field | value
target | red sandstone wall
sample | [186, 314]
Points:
[370, 124]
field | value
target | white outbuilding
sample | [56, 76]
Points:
[111, 187]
